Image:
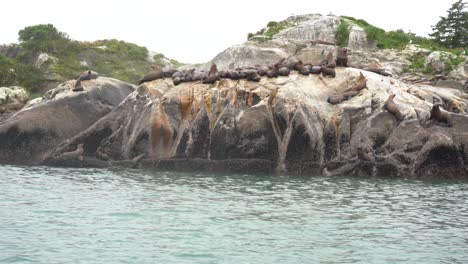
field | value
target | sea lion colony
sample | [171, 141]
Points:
[283, 67]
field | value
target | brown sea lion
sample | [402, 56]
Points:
[330, 61]
[154, 75]
[304, 70]
[315, 69]
[360, 84]
[284, 71]
[392, 107]
[253, 76]
[328, 72]
[373, 67]
[234, 75]
[366, 153]
[262, 70]
[84, 76]
[323, 42]
[212, 75]
[441, 115]
[177, 80]
[291, 62]
[338, 98]
[342, 57]
[78, 153]
[199, 75]
[178, 74]
[168, 72]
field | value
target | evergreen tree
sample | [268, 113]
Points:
[452, 31]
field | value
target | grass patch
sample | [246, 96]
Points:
[271, 30]
[342, 33]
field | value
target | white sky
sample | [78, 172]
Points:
[197, 30]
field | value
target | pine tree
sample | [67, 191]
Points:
[452, 31]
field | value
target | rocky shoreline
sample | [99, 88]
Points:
[285, 125]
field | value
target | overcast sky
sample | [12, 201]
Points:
[197, 30]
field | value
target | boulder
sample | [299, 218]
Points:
[246, 55]
[30, 134]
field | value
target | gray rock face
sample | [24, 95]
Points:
[247, 55]
[310, 27]
[28, 136]
[283, 124]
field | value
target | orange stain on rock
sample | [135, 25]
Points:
[161, 133]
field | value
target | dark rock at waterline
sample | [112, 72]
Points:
[30, 134]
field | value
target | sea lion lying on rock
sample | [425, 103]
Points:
[338, 98]
[360, 84]
[78, 153]
[323, 42]
[391, 107]
[199, 76]
[315, 69]
[441, 115]
[169, 72]
[84, 76]
[157, 73]
[328, 72]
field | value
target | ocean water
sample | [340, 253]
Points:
[56, 215]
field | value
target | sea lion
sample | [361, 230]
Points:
[78, 153]
[335, 99]
[342, 57]
[328, 72]
[253, 76]
[323, 42]
[304, 70]
[366, 154]
[178, 74]
[291, 62]
[373, 67]
[168, 72]
[360, 84]
[262, 70]
[338, 98]
[84, 76]
[234, 75]
[392, 107]
[315, 69]
[441, 115]
[212, 75]
[199, 75]
[284, 71]
[154, 75]
[177, 80]
[330, 61]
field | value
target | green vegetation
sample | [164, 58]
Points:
[342, 33]
[160, 59]
[397, 39]
[271, 29]
[111, 58]
[452, 31]
[13, 73]
[417, 64]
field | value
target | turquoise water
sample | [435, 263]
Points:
[50, 215]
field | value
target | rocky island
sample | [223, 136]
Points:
[273, 124]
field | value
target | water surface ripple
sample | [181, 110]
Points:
[50, 215]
